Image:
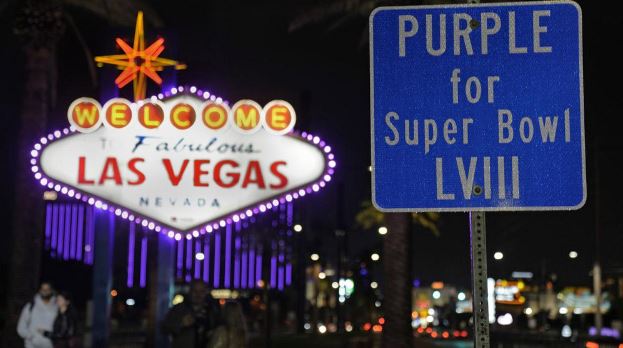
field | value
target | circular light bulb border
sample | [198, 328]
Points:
[208, 227]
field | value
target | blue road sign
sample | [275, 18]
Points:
[477, 107]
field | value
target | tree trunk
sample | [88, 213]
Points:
[28, 205]
[397, 332]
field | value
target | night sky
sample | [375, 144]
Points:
[244, 49]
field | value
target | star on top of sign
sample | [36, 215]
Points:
[139, 62]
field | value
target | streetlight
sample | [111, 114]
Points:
[573, 254]
[375, 257]
[498, 255]
[314, 257]
[322, 275]
[374, 285]
[298, 228]
[382, 230]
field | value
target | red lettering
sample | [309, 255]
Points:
[111, 164]
[199, 172]
[234, 177]
[81, 175]
[174, 178]
[140, 177]
[253, 169]
[283, 180]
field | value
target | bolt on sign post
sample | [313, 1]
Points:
[477, 108]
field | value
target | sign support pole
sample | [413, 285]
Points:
[162, 287]
[478, 241]
[102, 276]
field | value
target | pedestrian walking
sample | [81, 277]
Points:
[64, 333]
[38, 316]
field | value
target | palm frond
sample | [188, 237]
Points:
[118, 12]
[369, 217]
[332, 9]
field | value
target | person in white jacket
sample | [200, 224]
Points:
[38, 316]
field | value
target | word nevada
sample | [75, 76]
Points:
[246, 116]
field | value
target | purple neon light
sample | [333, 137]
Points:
[206, 259]
[189, 258]
[80, 232]
[237, 264]
[54, 227]
[143, 277]
[48, 224]
[251, 268]
[226, 282]
[288, 274]
[131, 247]
[273, 272]
[67, 233]
[180, 258]
[88, 248]
[260, 207]
[258, 268]
[61, 229]
[197, 262]
[244, 262]
[280, 270]
[217, 260]
[74, 228]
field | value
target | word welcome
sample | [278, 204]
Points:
[245, 116]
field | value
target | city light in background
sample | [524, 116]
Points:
[267, 218]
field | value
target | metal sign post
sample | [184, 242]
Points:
[478, 240]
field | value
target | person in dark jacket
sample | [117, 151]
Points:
[191, 323]
[233, 332]
[65, 330]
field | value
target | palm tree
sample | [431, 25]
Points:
[397, 331]
[40, 25]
